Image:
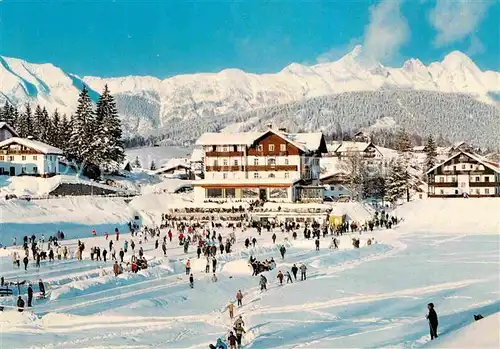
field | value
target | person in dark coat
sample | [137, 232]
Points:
[433, 320]
[282, 251]
[191, 281]
[30, 295]
[25, 261]
[214, 265]
[295, 271]
[41, 287]
[274, 238]
[20, 304]
[198, 251]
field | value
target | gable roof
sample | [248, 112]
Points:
[304, 141]
[31, 143]
[3, 124]
[349, 146]
[491, 165]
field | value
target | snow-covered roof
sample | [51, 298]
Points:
[303, 141]
[171, 167]
[3, 124]
[349, 146]
[491, 165]
[31, 143]
[418, 148]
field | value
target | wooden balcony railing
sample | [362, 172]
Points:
[272, 168]
[484, 184]
[444, 184]
[223, 153]
[224, 168]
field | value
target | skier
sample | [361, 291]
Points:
[433, 320]
[232, 340]
[30, 295]
[41, 287]
[188, 267]
[239, 298]
[289, 278]
[191, 281]
[280, 277]
[303, 269]
[294, 271]
[263, 282]
[274, 238]
[282, 251]
[20, 304]
[230, 307]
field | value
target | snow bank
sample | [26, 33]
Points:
[479, 334]
[465, 216]
[167, 185]
[159, 155]
[151, 206]
[238, 267]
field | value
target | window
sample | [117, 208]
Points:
[463, 167]
[486, 178]
[271, 162]
[260, 147]
[256, 175]
[2, 158]
[235, 162]
[486, 191]
[286, 161]
[35, 169]
[283, 147]
[11, 158]
[478, 179]
[35, 157]
[23, 158]
[230, 192]
[224, 162]
[271, 147]
[214, 192]
[454, 168]
[441, 179]
[477, 192]
[224, 175]
[216, 163]
[441, 192]
[287, 175]
[256, 162]
[224, 149]
[271, 175]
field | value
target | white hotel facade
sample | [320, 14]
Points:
[272, 166]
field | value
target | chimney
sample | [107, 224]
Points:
[282, 129]
[269, 125]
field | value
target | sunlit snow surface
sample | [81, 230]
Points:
[369, 297]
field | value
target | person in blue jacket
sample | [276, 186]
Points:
[219, 345]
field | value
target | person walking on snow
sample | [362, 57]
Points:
[41, 287]
[214, 265]
[164, 248]
[303, 269]
[188, 267]
[231, 307]
[239, 298]
[30, 295]
[282, 251]
[117, 234]
[274, 238]
[232, 340]
[116, 268]
[294, 271]
[289, 278]
[20, 304]
[122, 254]
[263, 283]
[280, 277]
[433, 321]
[239, 322]
[317, 244]
[239, 334]
[191, 281]
[214, 278]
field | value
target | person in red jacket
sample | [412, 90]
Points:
[232, 340]
[239, 297]
[170, 235]
[117, 234]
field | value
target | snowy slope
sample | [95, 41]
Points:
[147, 104]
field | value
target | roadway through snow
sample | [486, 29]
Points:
[374, 296]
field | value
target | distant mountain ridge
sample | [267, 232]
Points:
[149, 105]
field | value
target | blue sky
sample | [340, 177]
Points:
[165, 38]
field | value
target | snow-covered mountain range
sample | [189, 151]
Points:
[149, 105]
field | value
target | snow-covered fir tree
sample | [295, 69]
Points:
[153, 166]
[137, 163]
[81, 145]
[9, 114]
[41, 125]
[403, 142]
[24, 125]
[65, 133]
[55, 130]
[108, 137]
[397, 182]
[431, 153]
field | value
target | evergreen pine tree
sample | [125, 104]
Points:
[137, 163]
[54, 135]
[109, 133]
[81, 142]
[153, 166]
[403, 141]
[397, 183]
[24, 125]
[430, 150]
[65, 134]
[38, 124]
[46, 127]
